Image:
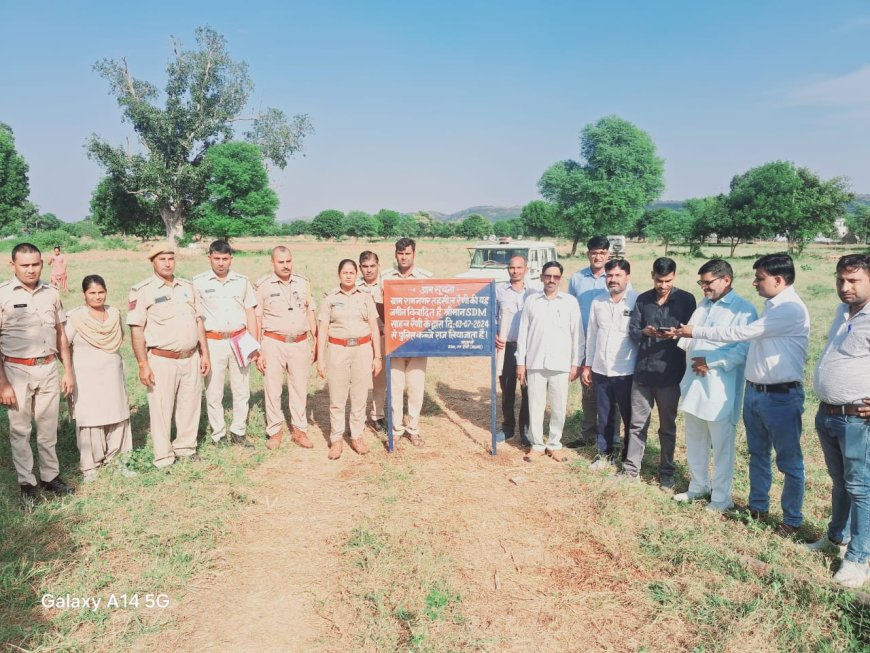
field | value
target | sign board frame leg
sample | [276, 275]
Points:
[389, 403]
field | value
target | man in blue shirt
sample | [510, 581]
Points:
[586, 285]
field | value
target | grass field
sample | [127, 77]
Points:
[671, 577]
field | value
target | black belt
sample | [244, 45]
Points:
[774, 387]
[847, 409]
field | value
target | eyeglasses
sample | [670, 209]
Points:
[598, 253]
[707, 284]
[554, 277]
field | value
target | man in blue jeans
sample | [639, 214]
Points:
[842, 383]
[774, 399]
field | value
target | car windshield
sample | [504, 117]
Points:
[496, 257]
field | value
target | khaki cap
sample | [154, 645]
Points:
[160, 248]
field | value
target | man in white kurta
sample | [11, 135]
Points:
[712, 388]
[549, 349]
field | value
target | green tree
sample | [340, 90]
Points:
[508, 228]
[858, 222]
[606, 192]
[425, 223]
[407, 227]
[539, 219]
[669, 226]
[205, 94]
[388, 219]
[300, 228]
[781, 199]
[360, 224]
[445, 229]
[238, 199]
[115, 211]
[328, 225]
[474, 227]
[14, 185]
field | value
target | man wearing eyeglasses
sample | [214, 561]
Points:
[712, 388]
[548, 358]
[774, 398]
[585, 286]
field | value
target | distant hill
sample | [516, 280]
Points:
[491, 213]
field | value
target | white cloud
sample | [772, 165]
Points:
[849, 90]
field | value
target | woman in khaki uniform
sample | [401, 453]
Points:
[101, 409]
[346, 320]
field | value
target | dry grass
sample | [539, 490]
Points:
[423, 550]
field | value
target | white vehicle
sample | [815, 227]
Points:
[489, 259]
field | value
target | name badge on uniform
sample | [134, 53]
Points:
[160, 300]
[627, 312]
[275, 294]
[209, 290]
[19, 306]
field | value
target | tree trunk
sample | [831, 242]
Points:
[574, 246]
[174, 221]
[734, 243]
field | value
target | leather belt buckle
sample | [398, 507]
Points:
[41, 360]
[351, 342]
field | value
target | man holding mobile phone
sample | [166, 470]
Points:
[658, 371]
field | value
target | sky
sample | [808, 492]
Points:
[451, 104]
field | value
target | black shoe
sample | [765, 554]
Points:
[241, 441]
[192, 458]
[223, 442]
[57, 486]
[378, 425]
[29, 495]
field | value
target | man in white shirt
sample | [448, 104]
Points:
[842, 383]
[774, 400]
[549, 346]
[712, 388]
[610, 356]
[510, 296]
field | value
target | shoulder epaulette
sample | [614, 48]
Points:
[299, 276]
[201, 275]
[141, 284]
[5, 283]
[259, 282]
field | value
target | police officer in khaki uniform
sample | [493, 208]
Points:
[348, 321]
[31, 337]
[285, 325]
[407, 372]
[369, 281]
[169, 342]
[227, 300]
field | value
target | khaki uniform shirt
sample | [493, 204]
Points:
[347, 313]
[283, 307]
[415, 273]
[223, 303]
[28, 320]
[376, 290]
[168, 313]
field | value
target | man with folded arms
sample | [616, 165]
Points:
[842, 383]
[774, 399]
[712, 388]
[549, 347]
[32, 337]
[285, 329]
[228, 301]
[168, 337]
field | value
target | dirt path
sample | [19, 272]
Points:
[516, 552]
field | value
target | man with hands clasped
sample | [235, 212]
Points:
[549, 352]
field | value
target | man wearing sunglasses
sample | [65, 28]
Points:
[549, 347]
